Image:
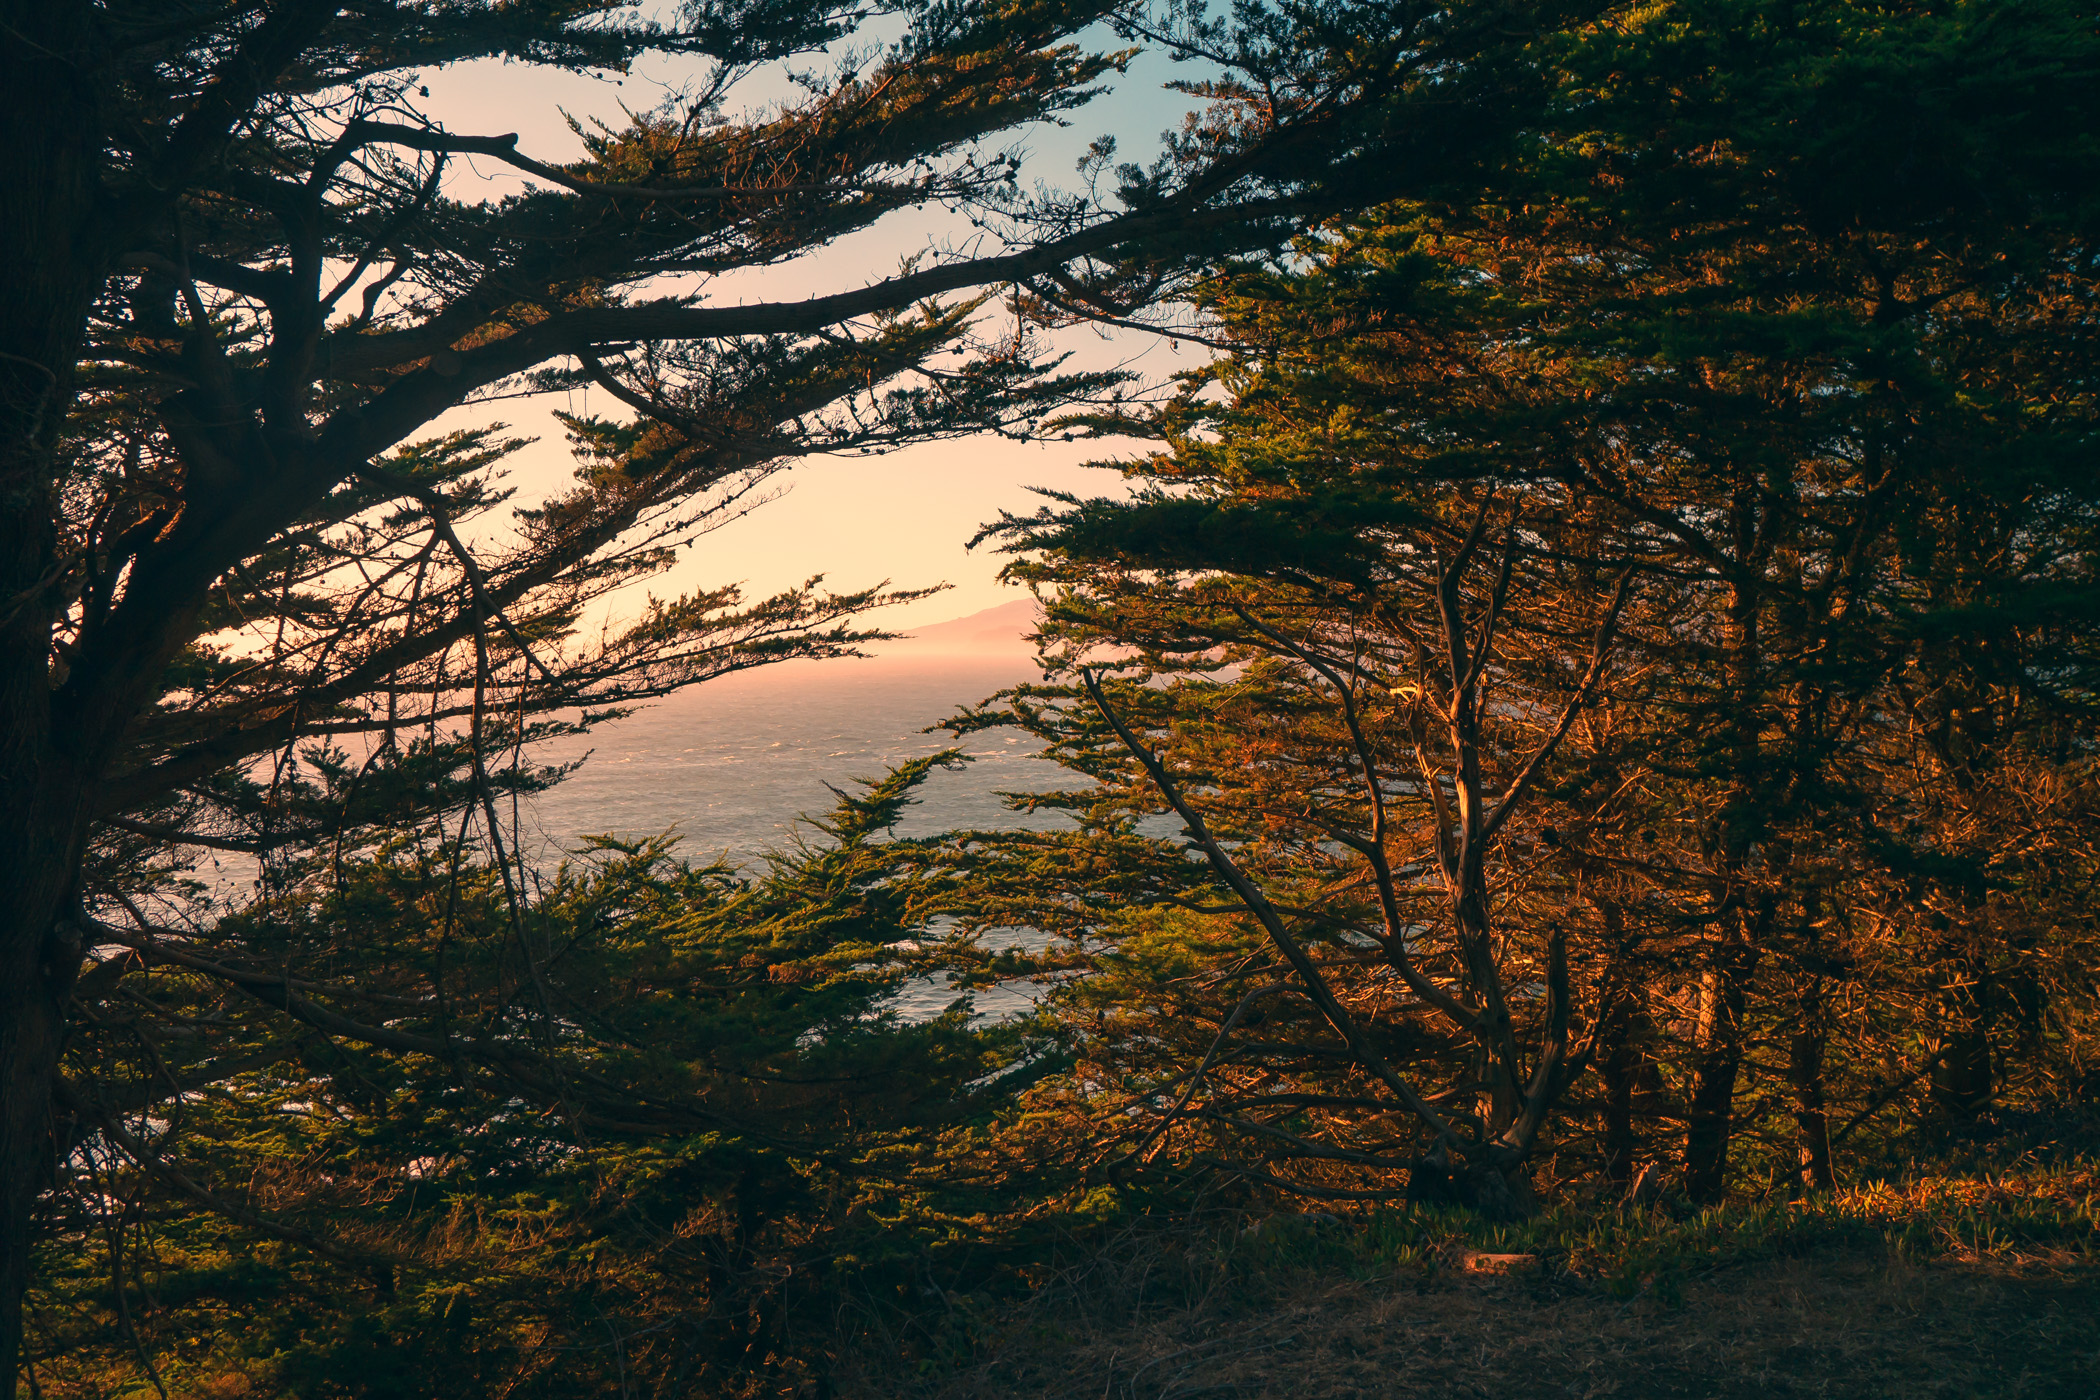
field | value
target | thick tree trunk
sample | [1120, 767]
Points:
[36, 974]
[1630, 1085]
[1738, 832]
[1501, 1095]
[1620, 1143]
[1492, 1191]
[1625, 1064]
[51, 256]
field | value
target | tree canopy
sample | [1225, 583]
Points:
[1628, 623]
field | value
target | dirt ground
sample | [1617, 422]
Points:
[1828, 1325]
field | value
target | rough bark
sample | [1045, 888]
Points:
[1739, 829]
[1710, 1113]
[1620, 1062]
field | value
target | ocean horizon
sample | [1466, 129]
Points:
[733, 766]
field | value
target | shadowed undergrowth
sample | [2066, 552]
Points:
[1954, 1287]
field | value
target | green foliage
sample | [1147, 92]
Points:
[649, 1096]
[1763, 371]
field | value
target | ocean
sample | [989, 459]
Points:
[729, 766]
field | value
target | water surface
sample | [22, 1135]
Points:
[730, 766]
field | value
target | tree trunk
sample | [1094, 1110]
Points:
[36, 975]
[1618, 1068]
[1805, 1077]
[49, 248]
[1962, 1081]
[1709, 1116]
[1631, 1086]
[1737, 834]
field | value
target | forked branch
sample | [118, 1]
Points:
[1257, 903]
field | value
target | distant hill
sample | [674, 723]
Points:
[1000, 631]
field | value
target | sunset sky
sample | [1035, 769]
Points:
[906, 516]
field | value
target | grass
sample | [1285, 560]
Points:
[1982, 1287]
[1943, 1287]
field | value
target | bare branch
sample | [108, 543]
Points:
[1374, 849]
[1600, 651]
[1228, 870]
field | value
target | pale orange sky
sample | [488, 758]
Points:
[905, 516]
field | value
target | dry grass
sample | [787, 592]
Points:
[1847, 1324]
[1785, 1304]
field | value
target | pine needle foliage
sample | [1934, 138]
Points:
[327, 1202]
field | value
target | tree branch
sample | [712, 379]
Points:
[1599, 652]
[505, 148]
[1374, 849]
[1221, 861]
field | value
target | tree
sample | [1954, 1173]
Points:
[1811, 292]
[1351, 685]
[1767, 303]
[239, 287]
[640, 1186]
